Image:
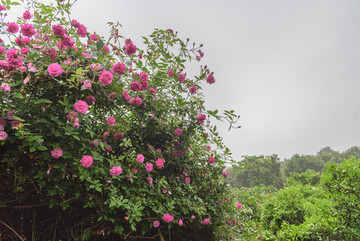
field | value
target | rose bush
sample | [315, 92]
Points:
[92, 117]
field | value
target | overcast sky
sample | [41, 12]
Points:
[289, 68]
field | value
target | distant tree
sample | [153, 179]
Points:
[300, 163]
[326, 154]
[351, 152]
[257, 171]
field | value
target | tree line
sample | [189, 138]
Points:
[261, 170]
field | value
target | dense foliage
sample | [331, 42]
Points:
[102, 139]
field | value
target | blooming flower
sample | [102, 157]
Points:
[82, 31]
[225, 173]
[119, 68]
[168, 218]
[150, 180]
[90, 99]
[55, 69]
[206, 221]
[81, 106]
[58, 30]
[12, 27]
[87, 161]
[259, 237]
[144, 76]
[2, 123]
[136, 101]
[212, 160]
[210, 79]
[193, 89]
[181, 78]
[171, 73]
[187, 180]
[3, 135]
[116, 171]
[26, 15]
[156, 224]
[238, 205]
[140, 158]
[5, 87]
[181, 222]
[106, 77]
[200, 119]
[118, 135]
[149, 167]
[164, 191]
[178, 132]
[159, 163]
[27, 30]
[126, 95]
[56, 153]
[111, 121]
[129, 48]
[2, 8]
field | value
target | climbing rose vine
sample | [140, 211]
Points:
[100, 137]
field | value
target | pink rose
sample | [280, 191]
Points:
[67, 41]
[150, 180]
[15, 123]
[26, 15]
[171, 73]
[87, 161]
[200, 119]
[144, 76]
[2, 49]
[187, 180]
[108, 148]
[90, 99]
[159, 163]
[164, 191]
[111, 121]
[181, 222]
[82, 31]
[74, 23]
[58, 30]
[156, 224]
[210, 79]
[118, 135]
[238, 205]
[106, 77]
[12, 27]
[168, 218]
[81, 106]
[181, 78]
[126, 95]
[135, 86]
[5, 87]
[2, 8]
[55, 70]
[136, 101]
[2, 122]
[134, 170]
[3, 135]
[119, 68]
[116, 171]
[140, 158]
[24, 50]
[149, 167]
[51, 53]
[225, 173]
[212, 160]
[129, 48]
[206, 221]
[193, 89]
[27, 30]
[56, 153]
[178, 132]
[259, 237]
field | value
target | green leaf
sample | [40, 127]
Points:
[99, 45]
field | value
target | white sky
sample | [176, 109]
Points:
[289, 68]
